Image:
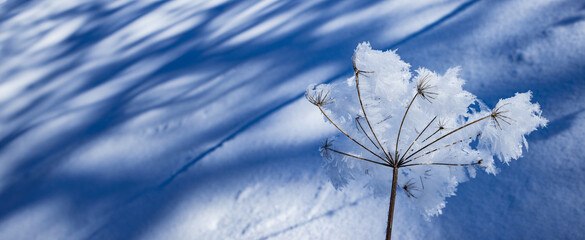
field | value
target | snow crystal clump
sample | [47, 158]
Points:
[425, 125]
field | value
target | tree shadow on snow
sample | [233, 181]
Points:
[75, 68]
[102, 52]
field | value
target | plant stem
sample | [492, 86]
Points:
[420, 134]
[357, 120]
[446, 146]
[358, 157]
[449, 133]
[392, 201]
[401, 123]
[444, 164]
[344, 133]
[357, 86]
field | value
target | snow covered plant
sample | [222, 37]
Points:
[422, 135]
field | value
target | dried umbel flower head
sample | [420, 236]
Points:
[370, 135]
[410, 188]
[498, 115]
[318, 97]
[441, 124]
[325, 148]
[423, 88]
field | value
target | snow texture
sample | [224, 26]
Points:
[187, 119]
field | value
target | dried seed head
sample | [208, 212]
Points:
[498, 115]
[409, 188]
[318, 98]
[441, 124]
[325, 149]
[423, 88]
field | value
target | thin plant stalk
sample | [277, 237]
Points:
[358, 157]
[392, 202]
[444, 164]
[446, 146]
[449, 133]
[357, 86]
[433, 134]
[402, 122]
[358, 143]
[441, 127]
[357, 120]
[417, 137]
[422, 89]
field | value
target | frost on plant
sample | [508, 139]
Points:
[423, 124]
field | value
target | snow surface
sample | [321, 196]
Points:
[186, 119]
